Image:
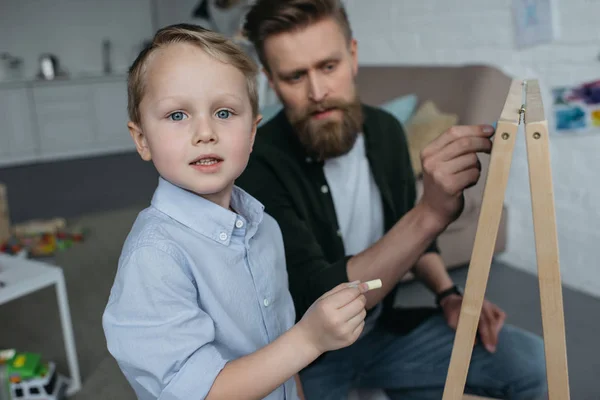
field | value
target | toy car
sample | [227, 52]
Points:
[31, 379]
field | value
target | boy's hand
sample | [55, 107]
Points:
[336, 319]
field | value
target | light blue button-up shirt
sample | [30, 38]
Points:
[197, 286]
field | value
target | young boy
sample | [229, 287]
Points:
[200, 306]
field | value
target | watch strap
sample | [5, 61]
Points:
[455, 289]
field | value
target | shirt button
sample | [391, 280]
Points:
[324, 189]
[266, 302]
[308, 160]
[239, 223]
[339, 233]
[223, 236]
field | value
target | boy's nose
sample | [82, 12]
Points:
[204, 133]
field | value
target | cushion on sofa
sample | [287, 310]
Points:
[402, 107]
[426, 124]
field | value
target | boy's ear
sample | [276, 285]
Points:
[259, 118]
[141, 144]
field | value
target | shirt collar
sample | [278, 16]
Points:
[206, 217]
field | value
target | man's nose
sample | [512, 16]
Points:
[317, 87]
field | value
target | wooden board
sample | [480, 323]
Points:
[546, 242]
[485, 239]
[546, 245]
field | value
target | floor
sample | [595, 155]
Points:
[32, 323]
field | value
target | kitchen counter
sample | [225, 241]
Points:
[67, 80]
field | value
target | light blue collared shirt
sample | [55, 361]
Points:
[197, 286]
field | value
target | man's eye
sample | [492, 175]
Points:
[223, 114]
[177, 116]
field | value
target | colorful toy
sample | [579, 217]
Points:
[43, 243]
[31, 379]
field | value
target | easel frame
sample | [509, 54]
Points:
[531, 112]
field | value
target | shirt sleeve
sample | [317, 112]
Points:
[310, 273]
[161, 339]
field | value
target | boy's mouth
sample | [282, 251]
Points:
[207, 160]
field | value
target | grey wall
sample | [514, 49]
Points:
[74, 30]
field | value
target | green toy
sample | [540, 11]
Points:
[28, 378]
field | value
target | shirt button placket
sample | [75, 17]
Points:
[324, 189]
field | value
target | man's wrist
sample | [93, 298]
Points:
[444, 295]
[430, 220]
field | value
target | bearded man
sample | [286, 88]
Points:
[336, 175]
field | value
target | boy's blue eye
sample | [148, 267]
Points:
[223, 114]
[177, 116]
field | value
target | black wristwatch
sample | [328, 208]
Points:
[445, 293]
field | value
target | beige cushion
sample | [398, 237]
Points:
[426, 125]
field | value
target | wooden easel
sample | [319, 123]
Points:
[531, 112]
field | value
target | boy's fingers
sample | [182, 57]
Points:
[353, 308]
[343, 297]
[339, 287]
[356, 320]
[363, 287]
[357, 331]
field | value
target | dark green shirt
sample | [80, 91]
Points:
[289, 183]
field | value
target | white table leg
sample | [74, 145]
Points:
[69, 340]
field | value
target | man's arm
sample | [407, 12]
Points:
[391, 257]
[430, 269]
[450, 165]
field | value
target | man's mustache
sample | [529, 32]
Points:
[325, 106]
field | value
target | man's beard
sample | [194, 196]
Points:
[329, 138]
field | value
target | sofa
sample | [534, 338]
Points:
[471, 94]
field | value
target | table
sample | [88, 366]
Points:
[22, 277]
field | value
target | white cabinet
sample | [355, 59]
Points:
[64, 119]
[45, 121]
[18, 138]
[109, 103]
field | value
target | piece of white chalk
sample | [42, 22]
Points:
[374, 284]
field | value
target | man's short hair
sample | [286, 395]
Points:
[212, 43]
[270, 17]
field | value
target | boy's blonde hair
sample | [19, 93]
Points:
[213, 43]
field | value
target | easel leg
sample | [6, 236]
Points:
[485, 241]
[546, 246]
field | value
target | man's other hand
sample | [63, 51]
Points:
[450, 165]
[491, 319]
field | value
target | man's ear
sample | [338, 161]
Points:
[141, 144]
[354, 56]
[254, 129]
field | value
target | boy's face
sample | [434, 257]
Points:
[196, 121]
